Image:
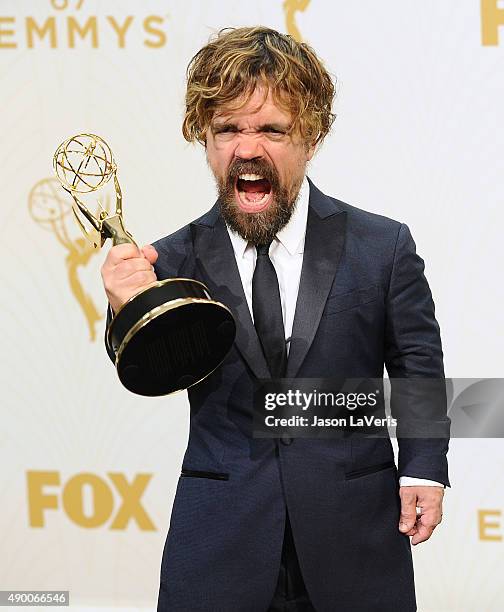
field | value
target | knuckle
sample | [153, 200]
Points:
[125, 267]
[408, 496]
[143, 277]
[129, 266]
[122, 252]
[138, 264]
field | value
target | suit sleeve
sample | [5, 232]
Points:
[108, 348]
[414, 354]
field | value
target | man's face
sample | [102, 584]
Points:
[258, 166]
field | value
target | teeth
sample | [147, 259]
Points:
[250, 177]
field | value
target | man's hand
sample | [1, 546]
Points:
[126, 271]
[430, 501]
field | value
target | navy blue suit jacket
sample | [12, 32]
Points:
[363, 304]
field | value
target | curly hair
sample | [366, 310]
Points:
[226, 71]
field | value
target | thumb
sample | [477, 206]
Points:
[150, 253]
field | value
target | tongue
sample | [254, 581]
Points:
[254, 196]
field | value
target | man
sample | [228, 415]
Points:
[320, 289]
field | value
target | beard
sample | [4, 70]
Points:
[257, 227]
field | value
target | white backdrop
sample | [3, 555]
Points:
[418, 137]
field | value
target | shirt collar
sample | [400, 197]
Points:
[292, 235]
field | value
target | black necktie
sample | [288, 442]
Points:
[267, 310]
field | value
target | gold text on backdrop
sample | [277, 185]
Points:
[64, 30]
[490, 525]
[492, 18]
[76, 493]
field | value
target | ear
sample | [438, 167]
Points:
[310, 151]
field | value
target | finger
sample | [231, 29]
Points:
[431, 518]
[120, 252]
[150, 253]
[424, 533]
[408, 515]
[141, 279]
[131, 266]
[412, 531]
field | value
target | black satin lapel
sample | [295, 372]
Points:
[324, 242]
[215, 261]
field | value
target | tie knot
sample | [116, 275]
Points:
[263, 249]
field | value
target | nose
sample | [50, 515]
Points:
[248, 147]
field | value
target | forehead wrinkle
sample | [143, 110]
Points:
[235, 111]
[235, 115]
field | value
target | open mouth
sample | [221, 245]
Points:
[253, 192]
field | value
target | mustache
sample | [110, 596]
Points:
[252, 167]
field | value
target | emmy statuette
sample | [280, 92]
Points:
[166, 337]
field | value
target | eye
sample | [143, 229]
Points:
[225, 129]
[274, 133]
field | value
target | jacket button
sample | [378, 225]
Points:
[286, 440]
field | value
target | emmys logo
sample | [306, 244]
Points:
[88, 500]
[490, 526]
[63, 29]
[492, 17]
[50, 211]
[291, 7]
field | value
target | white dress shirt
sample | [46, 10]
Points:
[286, 254]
